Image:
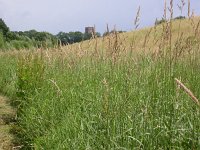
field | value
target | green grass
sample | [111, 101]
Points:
[101, 105]
[8, 75]
[105, 102]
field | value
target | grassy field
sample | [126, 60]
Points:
[117, 92]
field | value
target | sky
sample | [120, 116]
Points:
[74, 15]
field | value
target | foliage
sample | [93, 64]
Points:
[179, 17]
[12, 36]
[43, 39]
[19, 40]
[87, 36]
[112, 31]
[63, 37]
[1, 40]
[20, 44]
[27, 39]
[157, 22]
[74, 37]
[3, 27]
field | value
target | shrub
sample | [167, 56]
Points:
[179, 17]
[21, 44]
[157, 22]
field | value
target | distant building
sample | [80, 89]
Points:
[89, 30]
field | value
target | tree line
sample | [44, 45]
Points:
[24, 40]
[164, 20]
[74, 37]
[34, 39]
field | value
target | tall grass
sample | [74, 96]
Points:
[8, 75]
[95, 104]
[107, 94]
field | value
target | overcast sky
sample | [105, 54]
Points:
[73, 15]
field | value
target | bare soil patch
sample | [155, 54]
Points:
[7, 115]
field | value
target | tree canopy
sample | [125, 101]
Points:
[3, 27]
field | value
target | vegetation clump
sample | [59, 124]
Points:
[163, 20]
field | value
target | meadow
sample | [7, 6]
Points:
[116, 92]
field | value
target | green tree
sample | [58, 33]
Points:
[3, 27]
[63, 37]
[1, 40]
[157, 22]
[87, 36]
[12, 36]
[78, 36]
[41, 39]
[31, 34]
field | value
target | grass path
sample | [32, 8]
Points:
[6, 118]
